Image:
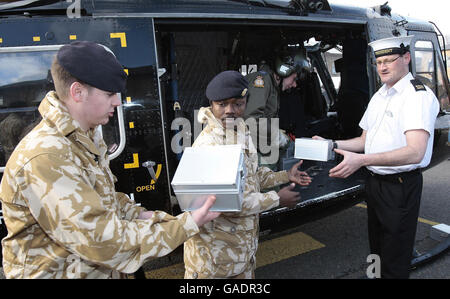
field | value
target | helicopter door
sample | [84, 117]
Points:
[135, 135]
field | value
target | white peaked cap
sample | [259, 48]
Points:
[391, 45]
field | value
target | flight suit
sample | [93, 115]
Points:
[64, 217]
[226, 246]
[264, 102]
[263, 95]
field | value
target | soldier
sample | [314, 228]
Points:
[63, 215]
[264, 91]
[226, 247]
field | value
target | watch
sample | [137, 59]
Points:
[335, 145]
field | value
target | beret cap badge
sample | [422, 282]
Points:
[227, 85]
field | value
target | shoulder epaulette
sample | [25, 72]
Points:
[418, 86]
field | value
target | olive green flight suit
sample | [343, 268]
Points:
[264, 102]
[263, 95]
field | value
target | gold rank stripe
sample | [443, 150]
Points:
[269, 252]
[385, 51]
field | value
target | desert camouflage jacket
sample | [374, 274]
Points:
[227, 245]
[63, 216]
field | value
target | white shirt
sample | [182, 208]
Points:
[393, 111]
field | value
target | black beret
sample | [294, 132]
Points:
[93, 64]
[227, 85]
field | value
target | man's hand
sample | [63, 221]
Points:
[317, 138]
[299, 177]
[202, 215]
[288, 198]
[351, 163]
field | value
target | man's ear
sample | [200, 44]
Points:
[277, 78]
[407, 56]
[77, 91]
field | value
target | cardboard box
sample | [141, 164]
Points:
[311, 149]
[211, 170]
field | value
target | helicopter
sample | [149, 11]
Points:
[171, 49]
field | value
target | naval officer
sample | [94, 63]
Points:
[397, 142]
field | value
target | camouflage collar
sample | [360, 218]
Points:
[56, 114]
[241, 135]
[206, 116]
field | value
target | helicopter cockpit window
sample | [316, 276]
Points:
[431, 72]
[425, 64]
[330, 58]
[25, 79]
[442, 92]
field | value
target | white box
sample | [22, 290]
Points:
[311, 149]
[215, 170]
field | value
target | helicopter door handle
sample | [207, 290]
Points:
[149, 165]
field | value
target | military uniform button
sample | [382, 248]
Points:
[233, 229]
[195, 275]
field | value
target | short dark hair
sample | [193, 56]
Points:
[62, 80]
